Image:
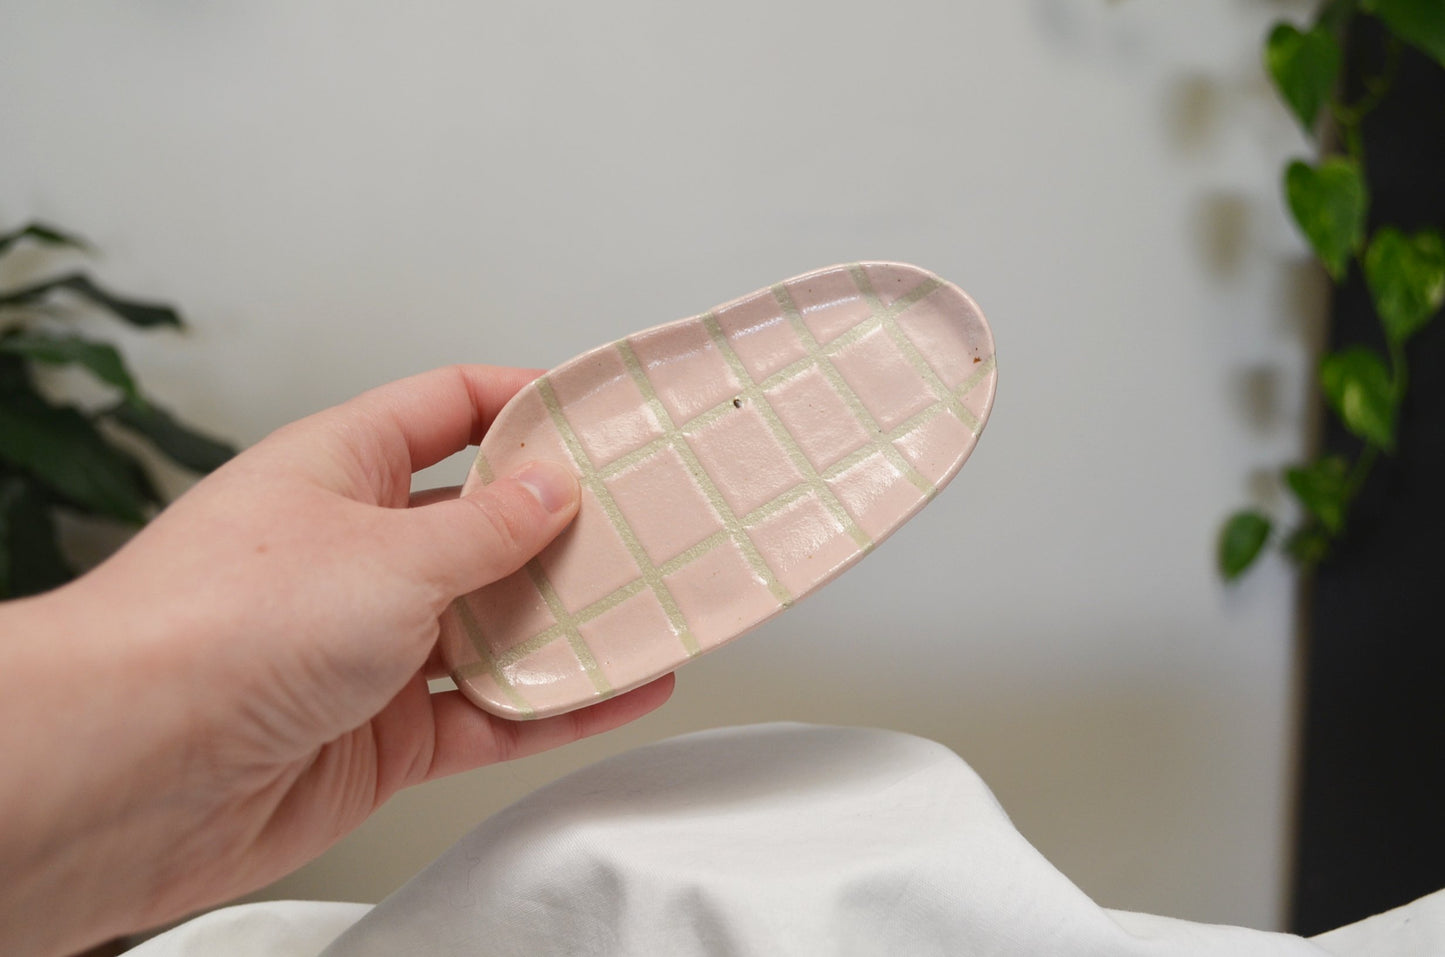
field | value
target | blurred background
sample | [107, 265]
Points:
[340, 194]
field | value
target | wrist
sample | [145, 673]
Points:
[68, 860]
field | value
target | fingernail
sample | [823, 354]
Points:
[551, 484]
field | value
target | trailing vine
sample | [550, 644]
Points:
[1404, 272]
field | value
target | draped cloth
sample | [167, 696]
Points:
[766, 840]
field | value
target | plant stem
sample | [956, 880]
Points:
[1350, 116]
[1335, 14]
[1400, 372]
[1360, 471]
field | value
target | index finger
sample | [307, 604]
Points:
[429, 416]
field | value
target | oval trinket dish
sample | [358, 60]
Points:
[730, 464]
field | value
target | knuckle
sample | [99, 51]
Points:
[505, 522]
[507, 740]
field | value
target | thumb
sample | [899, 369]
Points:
[490, 532]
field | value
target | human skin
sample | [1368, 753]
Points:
[246, 681]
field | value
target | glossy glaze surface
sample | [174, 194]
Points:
[731, 463]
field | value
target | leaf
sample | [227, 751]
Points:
[1240, 542]
[60, 448]
[1406, 275]
[11, 489]
[1329, 203]
[1419, 22]
[14, 376]
[1308, 545]
[1323, 488]
[41, 233]
[30, 557]
[1304, 67]
[185, 446]
[136, 313]
[102, 359]
[1361, 390]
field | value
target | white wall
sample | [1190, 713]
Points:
[342, 193]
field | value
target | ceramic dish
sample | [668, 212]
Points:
[730, 463]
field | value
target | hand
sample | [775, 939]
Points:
[245, 682]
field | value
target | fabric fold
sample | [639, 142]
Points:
[767, 840]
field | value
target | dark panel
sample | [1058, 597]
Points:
[1371, 826]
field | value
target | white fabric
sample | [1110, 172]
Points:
[1414, 930]
[272, 928]
[771, 840]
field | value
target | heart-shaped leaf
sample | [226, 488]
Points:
[101, 359]
[1304, 67]
[1329, 202]
[1407, 279]
[1323, 488]
[1420, 22]
[1361, 390]
[1240, 542]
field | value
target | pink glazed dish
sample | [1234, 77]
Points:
[730, 463]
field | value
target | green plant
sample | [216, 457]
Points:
[1405, 273]
[57, 457]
